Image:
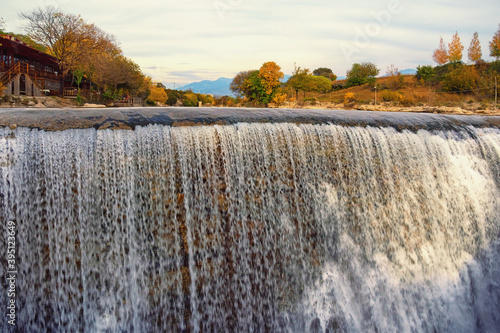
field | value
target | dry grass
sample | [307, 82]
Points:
[413, 93]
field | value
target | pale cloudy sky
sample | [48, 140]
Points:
[192, 40]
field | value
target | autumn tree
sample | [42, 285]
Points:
[84, 49]
[495, 45]
[441, 54]
[361, 74]
[270, 74]
[461, 78]
[238, 86]
[474, 52]
[455, 49]
[55, 30]
[326, 72]
[395, 79]
[157, 94]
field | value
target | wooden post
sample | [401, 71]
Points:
[496, 93]
[375, 94]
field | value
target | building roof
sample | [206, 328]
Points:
[23, 50]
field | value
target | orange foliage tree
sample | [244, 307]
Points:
[495, 44]
[475, 53]
[270, 75]
[455, 49]
[440, 55]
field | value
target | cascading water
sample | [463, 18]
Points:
[274, 227]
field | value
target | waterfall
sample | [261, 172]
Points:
[246, 227]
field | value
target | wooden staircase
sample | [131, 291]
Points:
[22, 68]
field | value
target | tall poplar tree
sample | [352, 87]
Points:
[455, 49]
[441, 54]
[495, 45]
[475, 53]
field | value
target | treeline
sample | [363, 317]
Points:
[261, 87]
[264, 86]
[84, 51]
[160, 95]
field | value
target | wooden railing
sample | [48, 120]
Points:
[70, 92]
[37, 76]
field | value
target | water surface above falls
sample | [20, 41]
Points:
[129, 118]
[267, 221]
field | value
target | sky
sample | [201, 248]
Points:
[179, 42]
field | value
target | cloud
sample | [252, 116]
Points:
[206, 39]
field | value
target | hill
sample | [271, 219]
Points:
[219, 87]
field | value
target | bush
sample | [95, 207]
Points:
[150, 102]
[408, 101]
[461, 79]
[390, 96]
[349, 98]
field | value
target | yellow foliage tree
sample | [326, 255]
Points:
[279, 99]
[158, 95]
[455, 49]
[495, 44]
[440, 55]
[270, 75]
[475, 53]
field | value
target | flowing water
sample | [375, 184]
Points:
[274, 227]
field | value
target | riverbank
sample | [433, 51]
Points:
[467, 109]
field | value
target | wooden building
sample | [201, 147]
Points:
[27, 71]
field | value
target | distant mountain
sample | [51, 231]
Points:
[285, 78]
[408, 71]
[219, 87]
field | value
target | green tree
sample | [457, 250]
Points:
[361, 74]
[2, 25]
[298, 81]
[425, 73]
[495, 45]
[326, 72]
[319, 84]
[254, 90]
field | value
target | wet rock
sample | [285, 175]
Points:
[50, 103]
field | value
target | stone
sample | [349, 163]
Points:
[90, 105]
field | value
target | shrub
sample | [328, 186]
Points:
[461, 79]
[349, 98]
[279, 99]
[408, 101]
[390, 96]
